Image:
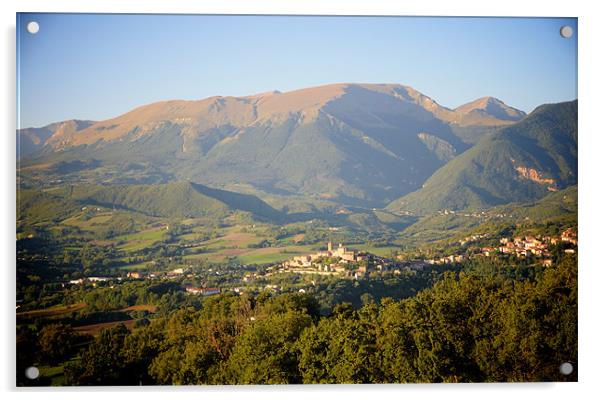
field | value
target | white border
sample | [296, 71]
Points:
[589, 190]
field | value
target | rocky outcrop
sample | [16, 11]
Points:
[533, 175]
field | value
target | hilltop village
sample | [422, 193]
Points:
[535, 248]
[340, 261]
[347, 263]
[331, 261]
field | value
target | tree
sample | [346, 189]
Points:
[397, 351]
[102, 363]
[340, 349]
[56, 343]
[265, 352]
[139, 350]
[538, 328]
[489, 323]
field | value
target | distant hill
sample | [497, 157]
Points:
[522, 162]
[30, 140]
[558, 208]
[35, 206]
[555, 205]
[357, 144]
[174, 200]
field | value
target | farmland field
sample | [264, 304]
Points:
[94, 329]
[52, 311]
[141, 240]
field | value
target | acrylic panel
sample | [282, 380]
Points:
[212, 199]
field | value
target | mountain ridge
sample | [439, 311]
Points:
[343, 142]
[241, 110]
[180, 199]
[522, 162]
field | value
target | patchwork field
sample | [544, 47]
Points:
[250, 255]
[52, 311]
[87, 224]
[141, 240]
[141, 307]
[94, 329]
[136, 267]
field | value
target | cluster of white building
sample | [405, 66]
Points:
[521, 247]
[454, 258]
[473, 238]
[332, 261]
[346, 255]
[202, 291]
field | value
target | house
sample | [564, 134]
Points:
[304, 261]
[569, 236]
[506, 250]
[98, 279]
[175, 272]
[532, 243]
[209, 291]
[193, 290]
[202, 291]
[134, 275]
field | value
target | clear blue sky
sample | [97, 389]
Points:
[94, 66]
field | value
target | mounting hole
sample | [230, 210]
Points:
[566, 31]
[566, 368]
[33, 27]
[32, 373]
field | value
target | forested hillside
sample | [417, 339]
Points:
[488, 323]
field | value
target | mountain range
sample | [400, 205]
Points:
[521, 162]
[367, 145]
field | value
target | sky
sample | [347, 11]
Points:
[98, 66]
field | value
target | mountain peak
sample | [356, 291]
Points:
[482, 103]
[491, 110]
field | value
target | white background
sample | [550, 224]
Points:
[590, 204]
